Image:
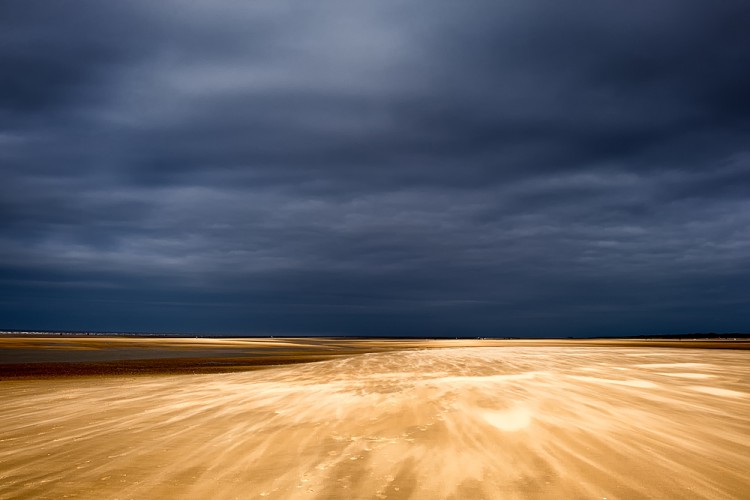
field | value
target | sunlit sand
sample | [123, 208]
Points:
[408, 419]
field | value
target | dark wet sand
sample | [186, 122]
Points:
[373, 419]
[56, 356]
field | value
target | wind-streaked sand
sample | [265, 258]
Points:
[474, 419]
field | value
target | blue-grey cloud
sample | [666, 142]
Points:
[522, 168]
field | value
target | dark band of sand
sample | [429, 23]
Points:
[74, 356]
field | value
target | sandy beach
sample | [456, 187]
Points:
[251, 418]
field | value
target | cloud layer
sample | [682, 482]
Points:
[517, 168]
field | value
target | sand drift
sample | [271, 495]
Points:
[477, 422]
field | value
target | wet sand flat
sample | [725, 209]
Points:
[376, 419]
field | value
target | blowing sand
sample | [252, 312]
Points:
[469, 420]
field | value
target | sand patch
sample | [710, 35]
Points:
[686, 375]
[717, 391]
[511, 420]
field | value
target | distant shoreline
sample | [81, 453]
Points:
[70, 333]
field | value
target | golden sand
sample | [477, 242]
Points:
[473, 419]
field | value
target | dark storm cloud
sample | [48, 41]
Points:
[426, 168]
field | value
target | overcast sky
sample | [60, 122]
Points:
[504, 167]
